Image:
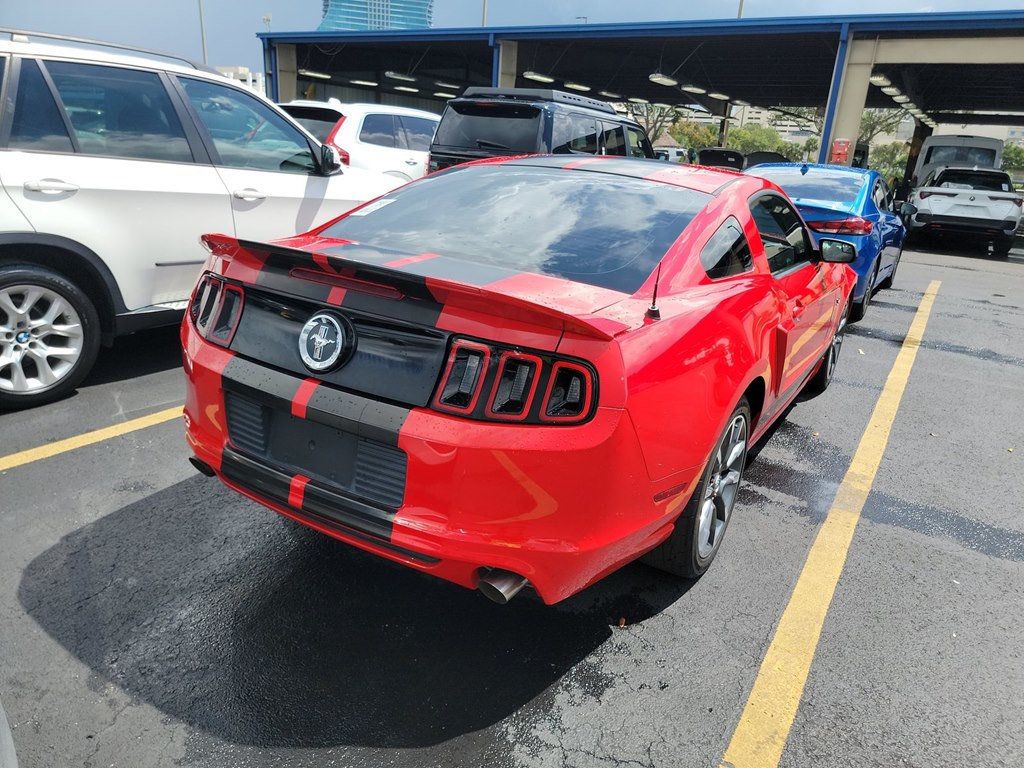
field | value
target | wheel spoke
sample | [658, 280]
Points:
[18, 380]
[707, 517]
[8, 307]
[69, 330]
[44, 373]
[735, 455]
[31, 296]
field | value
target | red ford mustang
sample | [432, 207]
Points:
[529, 371]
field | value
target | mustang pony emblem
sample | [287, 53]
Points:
[321, 342]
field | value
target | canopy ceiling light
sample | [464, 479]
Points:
[693, 89]
[891, 90]
[740, 103]
[638, 100]
[662, 79]
[400, 76]
[577, 87]
[717, 95]
[367, 83]
[661, 105]
[880, 80]
[609, 95]
[538, 77]
[901, 99]
[441, 84]
[317, 75]
[406, 89]
[444, 95]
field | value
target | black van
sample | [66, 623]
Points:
[492, 122]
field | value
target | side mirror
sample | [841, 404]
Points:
[330, 160]
[837, 251]
[908, 209]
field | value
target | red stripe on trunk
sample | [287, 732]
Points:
[297, 490]
[410, 260]
[301, 399]
[336, 295]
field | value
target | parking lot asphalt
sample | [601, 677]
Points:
[150, 617]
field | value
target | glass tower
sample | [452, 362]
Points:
[376, 14]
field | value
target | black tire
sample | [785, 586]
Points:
[679, 553]
[887, 283]
[1001, 246]
[860, 308]
[819, 382]
[32, 275]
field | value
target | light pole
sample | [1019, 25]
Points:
[202, 30]
[483, 22]
[739, 12]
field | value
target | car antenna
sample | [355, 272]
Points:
[652, 311]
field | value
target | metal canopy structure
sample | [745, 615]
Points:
[946, 63]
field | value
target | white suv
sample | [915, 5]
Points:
[377, 137]
[112, 166]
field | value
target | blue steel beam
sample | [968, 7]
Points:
[833, 94]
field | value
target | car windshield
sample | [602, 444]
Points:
[960, 155]
[597, 228]
[490, 125]
[816, 184]
[316, 120]
[984, 181]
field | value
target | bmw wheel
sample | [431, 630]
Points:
[49, 336]
[697, 536]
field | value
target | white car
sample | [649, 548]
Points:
[377, 137]
[112, 166]
[962, 151]
[976, 202]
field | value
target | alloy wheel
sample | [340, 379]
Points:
[722, 487]
[834, 348]
[41, 338]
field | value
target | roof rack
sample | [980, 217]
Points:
[26, 34]
[539, 94]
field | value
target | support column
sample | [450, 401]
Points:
[921, 132]
[287, 73]
[507, 55]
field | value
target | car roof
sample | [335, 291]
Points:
[696, 177]
[351, 108]
[549, 106]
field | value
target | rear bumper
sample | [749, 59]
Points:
[562, 506]
[928, 222]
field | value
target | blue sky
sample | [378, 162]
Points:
[231, 25]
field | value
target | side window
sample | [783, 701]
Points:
[246, 132]
[785, 241]
[379, 130]
[120, 112]
[38, 123]
[727, 252]
[639, 146]
[419, 132]
[880, 195]
[613, 139]
[574, 134]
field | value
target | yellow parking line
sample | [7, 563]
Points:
[87, 438]
[763, 728]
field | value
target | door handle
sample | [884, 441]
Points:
[249, 194]
[410, 162]
[50, 186]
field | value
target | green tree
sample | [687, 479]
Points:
[890, 160]
[1013, 157]
[874, 122]
[694, 135]
[655, 120]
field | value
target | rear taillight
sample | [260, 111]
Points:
[513, 380]
[923, 194]
[570, 388]
[855, 225]
[1018, 201]
[463, 377]
[216, 309]
[343, 155]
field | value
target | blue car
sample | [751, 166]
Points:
[852, 204]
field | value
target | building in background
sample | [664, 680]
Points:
[376, 14]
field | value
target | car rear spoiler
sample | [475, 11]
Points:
[389, 282]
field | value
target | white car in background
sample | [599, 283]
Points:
[976, 202]
[376, 137]
[112, 166]
[956, 151]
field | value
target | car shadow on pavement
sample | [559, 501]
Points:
[138, 354]
[261, 632]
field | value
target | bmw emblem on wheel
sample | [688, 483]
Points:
[321, 342]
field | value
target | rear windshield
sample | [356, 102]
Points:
[816, 184]
[959, 155]
[488, 125]
[317, 121]
[986, 181]
[596, 228]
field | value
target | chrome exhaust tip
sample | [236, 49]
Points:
[500, 586]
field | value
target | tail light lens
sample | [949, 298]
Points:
[513, 380]
[463, 377]
[1018, 201]
[216, 310]
[343, 155]
[855, 225]
[923, 194]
